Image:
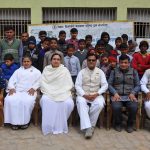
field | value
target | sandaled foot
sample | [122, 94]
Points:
[24, 126]
[14, 127]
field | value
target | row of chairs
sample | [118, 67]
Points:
[105, 118]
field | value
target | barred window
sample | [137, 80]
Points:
[141, 19]
[19, 18]
[60, 15]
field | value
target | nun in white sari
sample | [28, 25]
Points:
[19, 102]
[56, 102]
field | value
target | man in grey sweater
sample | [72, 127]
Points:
[124, 85]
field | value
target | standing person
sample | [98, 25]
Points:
[73, 40]
[124, 38]
[90, 85]
[32, 51]
[56, 102]
[141, 60]
[72, 62]
[106, 38]
[45, 48]
[62, 45]
[24, 39]
[53, 49]
[88, 42]
[11, 45]
[19, 102]
[81, 52]
[132, 47]
[124, 85]
[42, 36]
[124, 50]
[118, 42]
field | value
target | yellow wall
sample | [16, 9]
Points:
[36, 6]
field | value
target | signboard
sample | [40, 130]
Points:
[95, 29]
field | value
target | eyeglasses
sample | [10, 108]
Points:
[91, 60]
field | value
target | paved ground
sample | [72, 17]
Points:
[33, 139]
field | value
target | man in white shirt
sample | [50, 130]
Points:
[90, 85]
[145, 87]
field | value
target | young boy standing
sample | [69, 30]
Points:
[73, 40]
[81, 53]
[62, 45]
[72, 62]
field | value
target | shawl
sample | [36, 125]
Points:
[56, 83]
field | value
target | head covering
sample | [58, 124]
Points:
[31, 40]
[112, 59]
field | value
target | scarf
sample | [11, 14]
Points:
[56, 83]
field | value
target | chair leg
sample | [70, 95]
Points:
[138, 120]
[1, 116]
[101, 118]
[110, 118]
[35, 116]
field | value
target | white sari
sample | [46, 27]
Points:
[56, 102]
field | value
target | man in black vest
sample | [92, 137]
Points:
[124, 85]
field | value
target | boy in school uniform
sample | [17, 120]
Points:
[72, 62]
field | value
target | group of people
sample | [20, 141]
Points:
[57, 66]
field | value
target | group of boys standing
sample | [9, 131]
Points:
[121, 66]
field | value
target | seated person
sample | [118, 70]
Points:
[9, 66]
[19, 102]
[124, 84]
[90, 85]
[145, 87]
[91, 51]
[56, 102]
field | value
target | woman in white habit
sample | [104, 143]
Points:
[20, 100]
[56, 102]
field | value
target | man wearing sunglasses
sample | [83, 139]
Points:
[90, 85]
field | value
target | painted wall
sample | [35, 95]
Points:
[36, 6]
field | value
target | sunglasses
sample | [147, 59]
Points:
[91, 60]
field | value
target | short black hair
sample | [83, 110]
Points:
[42, 33]
[88, 37]
[62, 32]
[100, 43]
[81, 40]
[55, 55]
[104, 55]
[70, 46]
[123, 46]
[124, 36]
[144, 43]
[118, 39]
[8, 56]
[47, 39]
[104, 34]
[53, 38]
[124, 57]
[27, 56]
[74, 30]
[90, 54]
[9, 27]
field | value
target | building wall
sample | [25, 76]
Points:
[37, 5]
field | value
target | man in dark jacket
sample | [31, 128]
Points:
[124, 85]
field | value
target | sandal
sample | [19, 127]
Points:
[14, 127]
[24, 126]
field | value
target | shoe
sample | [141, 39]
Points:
[118, 128]
[130, 129]
[89, 132]
[24, 126]
[14, 127]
